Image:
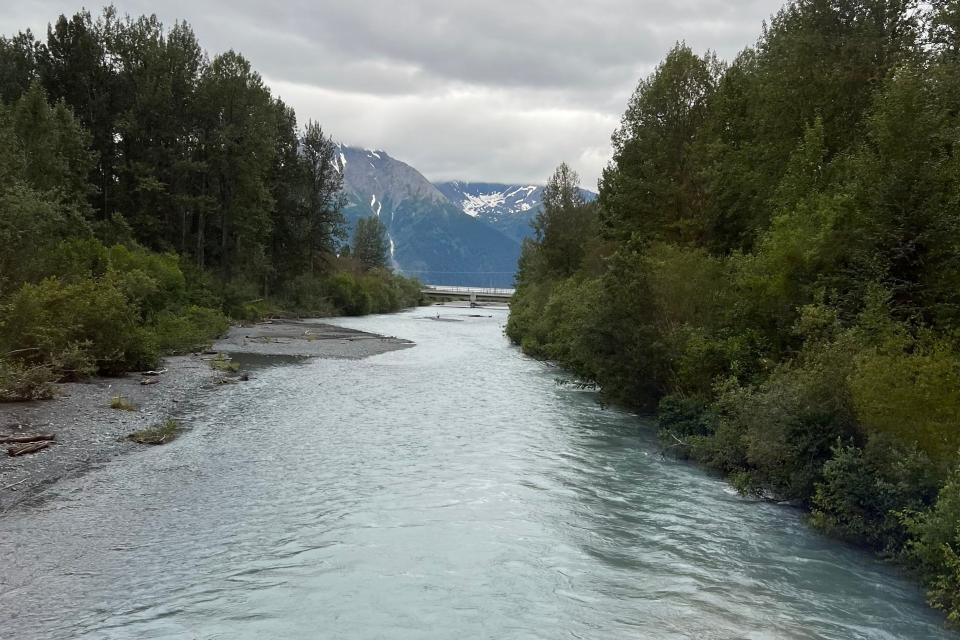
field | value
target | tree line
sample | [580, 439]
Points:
[149, 192]
[773, 267]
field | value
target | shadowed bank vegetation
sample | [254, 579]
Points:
[773, 265]
[149, 193]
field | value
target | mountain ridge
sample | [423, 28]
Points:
[509, 208]
[429, 236]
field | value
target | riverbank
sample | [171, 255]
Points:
[90, 433]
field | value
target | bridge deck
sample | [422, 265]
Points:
[471, 294]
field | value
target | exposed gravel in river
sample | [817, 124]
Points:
[308, 338]
[89, 433]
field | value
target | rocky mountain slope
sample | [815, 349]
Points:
[430, 237]
[509, 208]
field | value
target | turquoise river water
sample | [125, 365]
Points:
[452, 490]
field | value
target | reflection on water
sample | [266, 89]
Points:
[448, 490]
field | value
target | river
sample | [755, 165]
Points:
[451, 490]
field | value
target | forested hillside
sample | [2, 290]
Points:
[148, 193]
[773, 265]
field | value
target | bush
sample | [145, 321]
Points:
[935, 548]
[19, 382]
[781, 432]
[682, 420]
[242, 301]
[193, 329]
[307, 295]
[89, 321]
[913, 393]
[864, 490]
[348, 295]
[224, 364]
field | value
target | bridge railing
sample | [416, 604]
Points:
[478, 290]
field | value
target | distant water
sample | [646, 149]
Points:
[452, 491]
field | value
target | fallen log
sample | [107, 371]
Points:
[23, 449]
[147, 381]
[37, 437]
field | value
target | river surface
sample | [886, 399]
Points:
[452, 490]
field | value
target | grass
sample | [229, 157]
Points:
[122, 404]
[157, 434]
[223, 363]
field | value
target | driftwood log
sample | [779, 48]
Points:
[147, 381]
[37, 437]
[23, 449]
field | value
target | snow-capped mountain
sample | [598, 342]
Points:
[430, 237]
[509, 208]
[490, 200]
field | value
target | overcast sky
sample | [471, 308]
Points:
[483, 90]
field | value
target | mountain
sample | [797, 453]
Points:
[430, 236]
[508, 208]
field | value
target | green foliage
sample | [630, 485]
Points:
[378, 291]
[370, 247]
[148, 192]
[863, 492]
[913, 395]
[681, 420]
[935, 548]
[563, 223]
[52, 318]
[224, 363]
[21, 382]
[190, 330]
[775, 266]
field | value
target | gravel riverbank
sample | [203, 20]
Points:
[89, 432]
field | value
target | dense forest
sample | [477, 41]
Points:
[149, 193]
[773, 266]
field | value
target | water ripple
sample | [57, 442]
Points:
[449, 490]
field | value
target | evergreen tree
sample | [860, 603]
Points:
[564, 223]
[370, 246]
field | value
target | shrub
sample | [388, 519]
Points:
[935, 548]
[912, 393]
[348, 295]
[864, 490]
[19, 382]
[782, 431]
[53, 318]
[224, 363]
[194, 328]
[681, 420]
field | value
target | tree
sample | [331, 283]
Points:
[54, 147]
[564, 223]
[370, 247]
[238, 121]
[652, 185]
[18, 64]
[75, 67]
[324, 181]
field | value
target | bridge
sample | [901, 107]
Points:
[474, 295]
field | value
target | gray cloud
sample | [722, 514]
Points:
[480, 90]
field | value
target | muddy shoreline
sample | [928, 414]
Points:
[90, 433]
